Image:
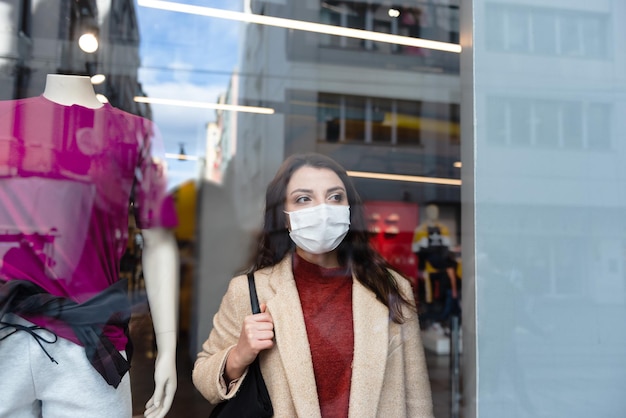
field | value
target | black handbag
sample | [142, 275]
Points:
[252, 400]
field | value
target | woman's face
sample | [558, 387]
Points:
[312, 186]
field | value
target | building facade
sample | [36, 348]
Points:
[41, 37]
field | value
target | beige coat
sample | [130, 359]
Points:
[389, 376]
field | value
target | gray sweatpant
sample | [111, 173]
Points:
[33, 386]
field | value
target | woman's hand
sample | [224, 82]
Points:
[257, 334]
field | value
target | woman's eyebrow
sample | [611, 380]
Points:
[301, 191]
[332, 189]
[336, 189]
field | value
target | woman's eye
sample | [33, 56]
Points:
[302, 199]
[338, 197]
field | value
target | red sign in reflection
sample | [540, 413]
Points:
[391, 226]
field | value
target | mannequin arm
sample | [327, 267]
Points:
[160, 264]
[452, 276]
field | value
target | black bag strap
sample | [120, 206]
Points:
[254, 300]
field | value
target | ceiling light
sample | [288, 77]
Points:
[399, 177]
[394, 12]
[300, 25]
[458, 164]
[98, 79]
[204, 105]
[181, 157]
[102, 98]
[88, 42]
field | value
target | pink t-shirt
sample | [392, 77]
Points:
[66, 177]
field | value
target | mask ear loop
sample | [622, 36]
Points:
[287, 221]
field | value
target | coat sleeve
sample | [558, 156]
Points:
[418, 393]
[211, 361]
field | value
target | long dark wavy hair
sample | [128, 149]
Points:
[355, 251]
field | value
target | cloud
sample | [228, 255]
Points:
[184, 91]
[186, 57]
[206, 46]
[184, 124]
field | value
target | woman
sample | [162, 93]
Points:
[338, 335]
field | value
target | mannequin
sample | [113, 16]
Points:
[71, 90]
[160, 261]
[103, 188]
[431, 244]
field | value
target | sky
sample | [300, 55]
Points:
[186, 57]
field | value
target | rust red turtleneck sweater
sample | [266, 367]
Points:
[326, 299]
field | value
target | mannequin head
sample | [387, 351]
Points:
[432, 213]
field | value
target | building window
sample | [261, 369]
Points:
[552, 124]
[425, 19]
[382, 121]
[545, 31]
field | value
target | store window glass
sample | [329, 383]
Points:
[543, 207]
[138, 139]
[155, 177]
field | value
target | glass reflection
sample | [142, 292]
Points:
[375, 107]
[548, 231]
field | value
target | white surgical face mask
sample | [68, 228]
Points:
[319, 229]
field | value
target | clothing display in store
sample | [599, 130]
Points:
[70, 167]
[66, 187]
[436, 264]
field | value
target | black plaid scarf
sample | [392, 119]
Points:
[87, 320]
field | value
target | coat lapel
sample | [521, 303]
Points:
[371, 336]
[292, 341]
